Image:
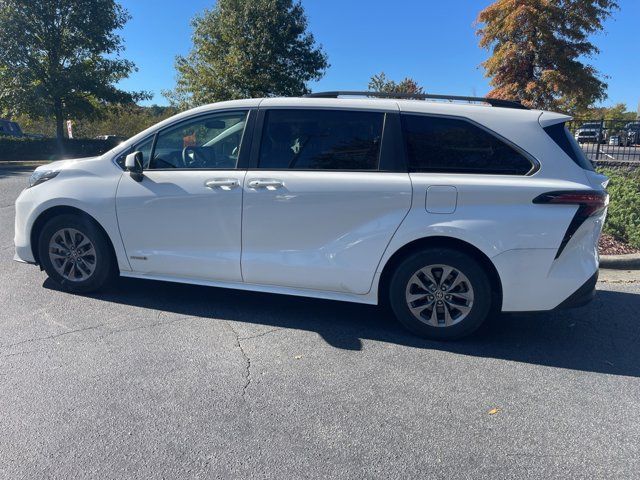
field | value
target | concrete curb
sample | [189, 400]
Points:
[621, 262]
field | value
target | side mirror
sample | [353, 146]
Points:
[133, 164]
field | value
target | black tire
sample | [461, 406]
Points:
[105, 264]
[463, 263]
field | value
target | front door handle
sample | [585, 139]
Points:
[269, 183]
[223, 183]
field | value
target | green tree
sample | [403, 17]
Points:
[248, 48]
[381, 83]
[60, 58]
[537, 51]
[121, 120]
[617, 112]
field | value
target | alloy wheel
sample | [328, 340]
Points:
[439, 295]
[72, 254]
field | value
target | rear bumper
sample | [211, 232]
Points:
[583, 295]
[535, 280]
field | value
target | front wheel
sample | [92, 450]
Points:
[440, 294]
[76, 254]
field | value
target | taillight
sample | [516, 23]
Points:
[589, 202]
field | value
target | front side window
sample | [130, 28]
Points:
[321, 140]
[144, 147]
[449, 145]
[209, 142]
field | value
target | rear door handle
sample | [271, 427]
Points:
[223, 183]
[266, 183]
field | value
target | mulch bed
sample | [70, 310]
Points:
[611, 246]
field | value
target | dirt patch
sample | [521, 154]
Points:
[610, 246]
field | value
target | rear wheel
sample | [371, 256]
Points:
[440, 294]
[76, 254]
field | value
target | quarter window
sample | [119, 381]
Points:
[143, 147]
[448, 145]
[321, 140]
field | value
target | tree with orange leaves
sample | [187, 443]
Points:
[538, 48]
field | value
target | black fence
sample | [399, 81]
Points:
[608, 140]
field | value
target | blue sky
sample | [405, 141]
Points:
[431, 41]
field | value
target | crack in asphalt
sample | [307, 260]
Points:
[17, 354]
[50, 337]
[112, 332]
[247, 360]
[260, 334]
[143, 327]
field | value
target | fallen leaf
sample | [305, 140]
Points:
[493, 411]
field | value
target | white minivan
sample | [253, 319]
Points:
[446, 211]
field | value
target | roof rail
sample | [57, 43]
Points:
[494, 102]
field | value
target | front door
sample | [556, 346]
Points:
[318, 214]
[184, 218]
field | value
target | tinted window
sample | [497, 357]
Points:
[436, 144]
[211, 142]
[321, 140]
[563, 138]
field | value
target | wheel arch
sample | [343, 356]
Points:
[440, 242]
[58, 210]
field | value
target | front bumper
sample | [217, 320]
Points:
[22, 237]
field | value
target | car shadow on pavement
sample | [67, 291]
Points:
[603, 336]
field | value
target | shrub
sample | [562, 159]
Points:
[12, 148]
[623, 218]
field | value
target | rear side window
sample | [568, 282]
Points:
[321, 140]
[449, 145]
[560, 134]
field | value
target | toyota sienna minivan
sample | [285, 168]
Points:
[446, 211]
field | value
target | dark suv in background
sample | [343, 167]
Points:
[9, 128]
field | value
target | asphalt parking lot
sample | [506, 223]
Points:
[158, 380]
[611, 153]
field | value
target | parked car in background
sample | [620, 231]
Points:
[9, 128]
[591, 133]
[633, 132]
[447, 212]
[619, 139]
